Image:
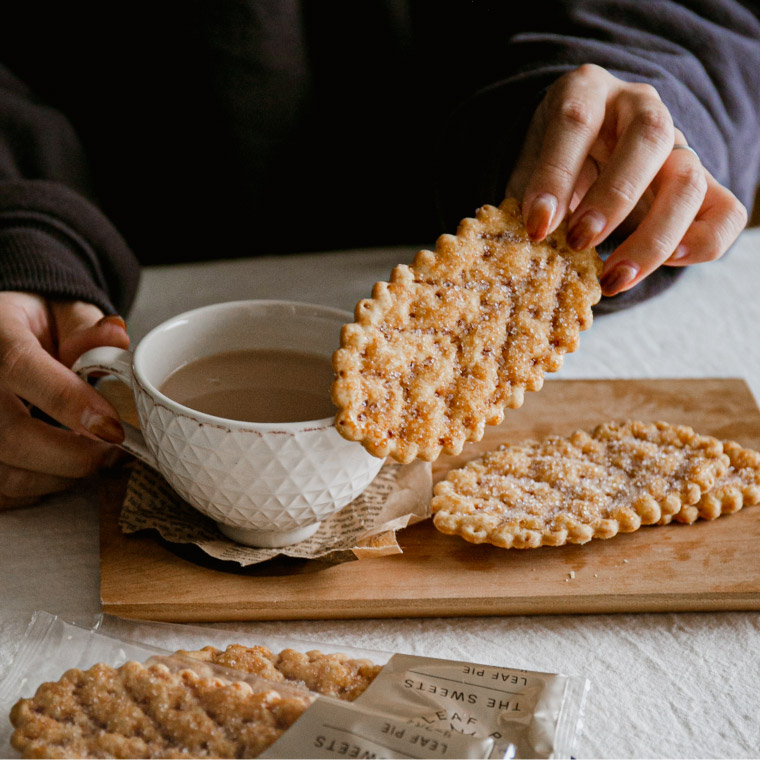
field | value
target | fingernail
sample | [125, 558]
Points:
[112, 319]
[680, 253]
[585, 230]
[106, 428]
[540, 215]
[618, 277]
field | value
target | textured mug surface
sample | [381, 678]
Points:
[265, 484]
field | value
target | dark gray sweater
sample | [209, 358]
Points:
[168, 132]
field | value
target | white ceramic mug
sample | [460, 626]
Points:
[265, 484]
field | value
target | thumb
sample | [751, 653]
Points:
[81, 326]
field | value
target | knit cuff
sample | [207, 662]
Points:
[42, 262]
[49, 231]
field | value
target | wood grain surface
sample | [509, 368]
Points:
[706, 566]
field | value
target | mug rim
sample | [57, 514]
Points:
[237, 425]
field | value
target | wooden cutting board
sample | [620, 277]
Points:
[705, 566]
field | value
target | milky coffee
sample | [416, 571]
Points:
[260, 385]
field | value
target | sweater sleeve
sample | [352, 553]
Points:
[53, 239]
[702, 56]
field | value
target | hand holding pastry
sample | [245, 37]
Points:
[607, 151]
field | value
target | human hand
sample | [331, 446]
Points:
[39, 340]
[606, 151]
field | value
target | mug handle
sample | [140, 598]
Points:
[116, 362]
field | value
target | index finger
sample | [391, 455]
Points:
[576, 115]
[30, 372]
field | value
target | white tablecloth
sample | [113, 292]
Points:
[662, 685]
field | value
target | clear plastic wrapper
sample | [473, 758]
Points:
[89, 684]
[526, 713]
[50, 647]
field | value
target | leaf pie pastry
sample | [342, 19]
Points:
[572, 489]
[334, 675]
[438, 352]
[738, 487]
[149, 711]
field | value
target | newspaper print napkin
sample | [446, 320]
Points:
[397, 497]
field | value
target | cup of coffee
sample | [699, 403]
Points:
[235, 412]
